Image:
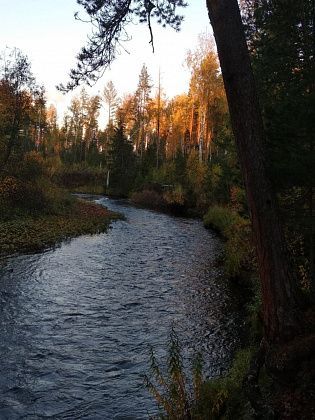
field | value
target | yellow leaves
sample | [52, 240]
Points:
[196, 171]
[175, 196]
[206, 82]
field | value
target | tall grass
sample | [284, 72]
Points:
[239, 252]
[179, 398]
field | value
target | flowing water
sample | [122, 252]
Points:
[76, 322]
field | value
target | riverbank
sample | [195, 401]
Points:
[267, 383]
[168, 201]
[95, 302]
[29, 234]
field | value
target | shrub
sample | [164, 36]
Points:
[238, 199]
[220, 219]
[165, 174]
[57, 200]
[239, 252]
[9, 187]
[254, 312]
[76, 176]
[53, 165]
[25, 198]
[149, 198]
[175, 196]
[201, 399]
[32, 167]
[176, 398]
[15, 193]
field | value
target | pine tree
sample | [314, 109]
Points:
[142, 98]
[111, 99]
[121, 163]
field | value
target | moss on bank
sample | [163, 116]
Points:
[29, 234]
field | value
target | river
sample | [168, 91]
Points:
[76, 322]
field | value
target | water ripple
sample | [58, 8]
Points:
[76, 322]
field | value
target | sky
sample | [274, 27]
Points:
[46, 31]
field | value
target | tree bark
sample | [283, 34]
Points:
[279, 286]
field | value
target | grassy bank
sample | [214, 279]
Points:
[36, 213]
[236, 231]
[30, 233]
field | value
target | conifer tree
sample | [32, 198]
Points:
[111, 99]
[142, 98]
[121, 163]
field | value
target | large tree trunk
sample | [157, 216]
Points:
[279, 288]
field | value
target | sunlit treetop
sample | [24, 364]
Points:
[109, 19]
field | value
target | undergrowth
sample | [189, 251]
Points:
[35, 213]
[236, 230]
[36, 233]
[179, 398]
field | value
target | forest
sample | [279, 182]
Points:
[236, 153]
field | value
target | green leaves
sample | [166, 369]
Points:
[239, 252]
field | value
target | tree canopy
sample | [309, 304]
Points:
[110, 19]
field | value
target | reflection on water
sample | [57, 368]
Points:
[76, 322]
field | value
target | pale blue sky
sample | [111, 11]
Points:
[47, 32]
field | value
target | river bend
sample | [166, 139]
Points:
[76, 321]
